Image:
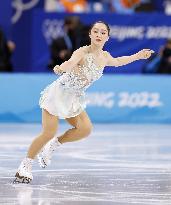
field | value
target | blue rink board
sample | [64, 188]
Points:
[121, 98]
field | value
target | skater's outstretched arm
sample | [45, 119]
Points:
[120, 61]
[71, 63]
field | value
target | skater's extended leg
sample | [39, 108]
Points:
[50, 124]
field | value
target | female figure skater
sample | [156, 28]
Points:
[64, 98]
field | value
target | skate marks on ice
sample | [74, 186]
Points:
[117, 164]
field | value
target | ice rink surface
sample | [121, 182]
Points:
[116, 164]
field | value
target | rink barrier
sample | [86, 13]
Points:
[112, 99]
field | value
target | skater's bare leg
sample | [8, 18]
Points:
[49, 128]
[82, 128]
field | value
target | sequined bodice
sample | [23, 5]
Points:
[79, 81]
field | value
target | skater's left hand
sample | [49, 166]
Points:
[57, 70]
[144, 54]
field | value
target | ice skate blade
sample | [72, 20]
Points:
[21, 179]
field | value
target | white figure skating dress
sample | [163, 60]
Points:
[65, 97]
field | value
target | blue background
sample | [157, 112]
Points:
[35, 47]
[32, 48]
[20, 95]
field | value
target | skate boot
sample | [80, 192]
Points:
[24, 174]
[44, 158]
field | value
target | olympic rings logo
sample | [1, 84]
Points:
[52, 29]
[20, 7]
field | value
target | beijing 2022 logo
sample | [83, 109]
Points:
[20, 6]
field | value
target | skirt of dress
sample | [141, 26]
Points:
[61, 102]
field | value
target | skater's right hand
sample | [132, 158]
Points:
[57, 70]
[144, 54]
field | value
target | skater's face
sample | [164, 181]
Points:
[99, 34]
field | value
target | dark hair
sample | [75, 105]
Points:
[107, 26]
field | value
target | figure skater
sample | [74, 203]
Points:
[65, 98]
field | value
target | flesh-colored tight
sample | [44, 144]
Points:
[81, 128]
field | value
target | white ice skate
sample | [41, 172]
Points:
[44, 158]
[24, 174]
